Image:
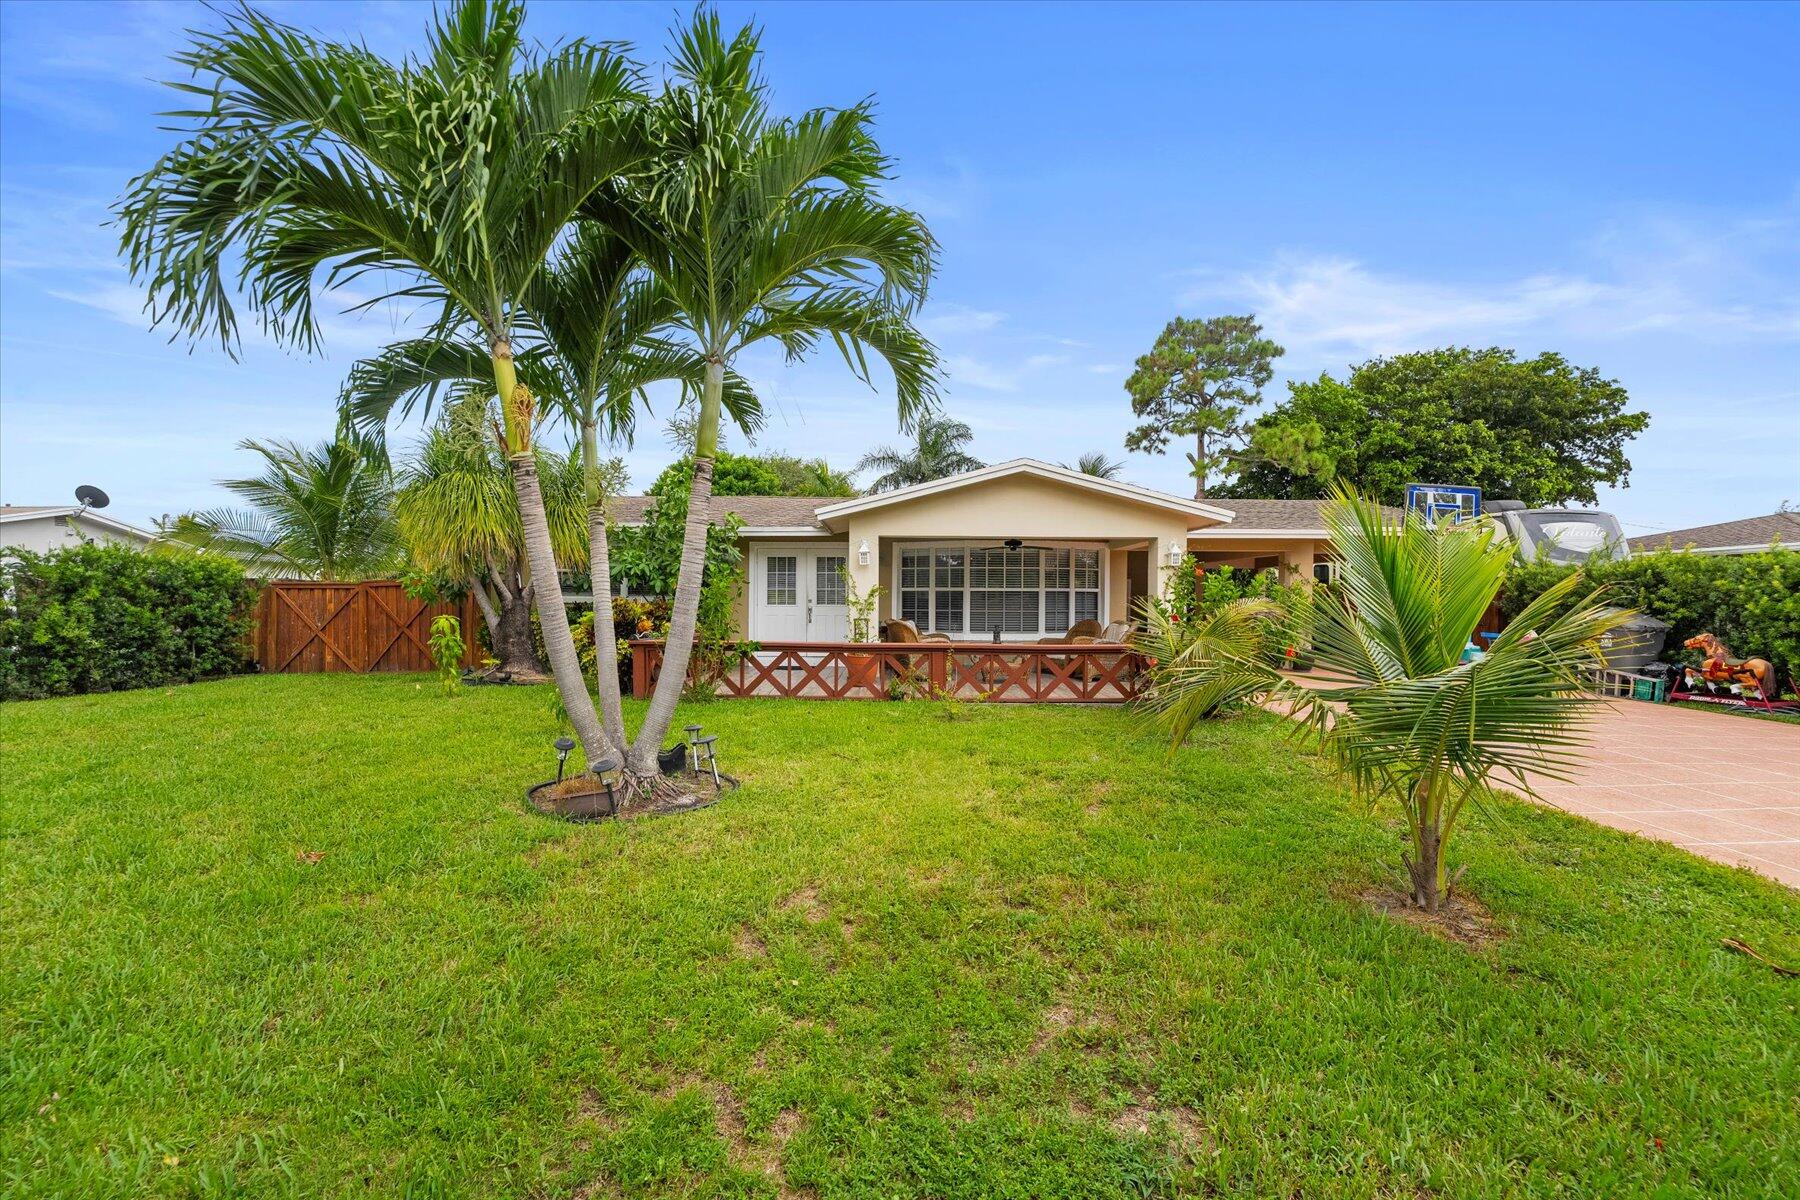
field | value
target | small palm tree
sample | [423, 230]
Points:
[937, 451]
[1095, 463]
[446, 179]
[763, 229]
[1208, 664]
[316, 512]
[1417, 724]
[1412, 722]
[457, 513]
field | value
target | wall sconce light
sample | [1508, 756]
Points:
[862, 553]
[1177, 554]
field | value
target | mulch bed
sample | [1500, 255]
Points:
[579, 797]
[1461, 918]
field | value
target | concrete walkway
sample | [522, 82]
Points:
[1719, 784]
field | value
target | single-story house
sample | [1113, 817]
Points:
[42, 528]
[1748, 536]
[1025, 547]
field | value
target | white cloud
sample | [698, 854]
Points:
[1104, 369]
[973, 371]
[1719, 281]
[1037, 362]
[954, 320]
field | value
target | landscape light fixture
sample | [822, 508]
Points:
[563, 746]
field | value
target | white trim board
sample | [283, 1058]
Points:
[1037, 469]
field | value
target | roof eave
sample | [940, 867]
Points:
[1018, 466]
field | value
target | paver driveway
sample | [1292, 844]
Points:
[1718, 784]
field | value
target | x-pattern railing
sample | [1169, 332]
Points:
[1053, 673]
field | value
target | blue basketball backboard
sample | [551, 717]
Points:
[1435, 501]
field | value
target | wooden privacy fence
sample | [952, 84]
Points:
[1089, 673]
[304, 627]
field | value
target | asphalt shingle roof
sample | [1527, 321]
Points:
[1751, 531]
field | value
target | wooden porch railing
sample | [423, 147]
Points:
[1017, 673]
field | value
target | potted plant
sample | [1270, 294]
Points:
[863, 668]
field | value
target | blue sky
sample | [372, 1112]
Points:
[1620, 183]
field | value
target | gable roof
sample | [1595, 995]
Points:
[798, 513]
[806, 515]
[1748, 534]
[1277, 518]
[28, 512]
[1025, 466]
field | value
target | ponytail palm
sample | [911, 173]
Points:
[458, 513]
[763, 229]
[445, 180]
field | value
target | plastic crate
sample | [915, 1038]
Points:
[1648, 689]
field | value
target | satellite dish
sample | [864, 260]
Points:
[91, 496]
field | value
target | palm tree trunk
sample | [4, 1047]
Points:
[1427, 870]
[606, 642]
[679, 649]
[540, 559]
[553, 615]
[1200, 465]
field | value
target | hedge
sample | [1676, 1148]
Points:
[96, 618]
[1752, 601]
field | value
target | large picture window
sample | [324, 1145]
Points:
[968, 591]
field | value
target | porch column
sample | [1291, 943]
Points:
[1296, 564]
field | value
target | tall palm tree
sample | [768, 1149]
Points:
[937, 451]
[594, 348]
[763, 229]
[1095, 463]
[457, 513]
[315, 512]
[446, 179]
[1414, 723]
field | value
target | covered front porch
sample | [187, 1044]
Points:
[1017, 554]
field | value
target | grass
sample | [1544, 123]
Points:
[1783, 717]
[298, 936]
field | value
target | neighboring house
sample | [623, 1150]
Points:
[42, 528]
[1022, 546]
[1748, 536]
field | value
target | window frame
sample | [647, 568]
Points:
[933, 547]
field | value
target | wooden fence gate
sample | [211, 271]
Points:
[304, 627]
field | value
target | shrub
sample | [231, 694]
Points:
[1750, 600]
[96, 618]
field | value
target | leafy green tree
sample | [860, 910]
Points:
[762, 229]
[447, 179]
[457, 514]
[1536, 430]
[315, 512]
[1095, 463]
[1195, 383]
[803, 476]
[937, 451]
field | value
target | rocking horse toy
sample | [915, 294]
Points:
[1720, 675]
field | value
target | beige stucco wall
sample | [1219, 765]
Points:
[1023, 507]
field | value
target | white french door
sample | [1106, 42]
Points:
[797, 594]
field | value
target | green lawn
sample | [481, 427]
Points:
[1015, 955]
